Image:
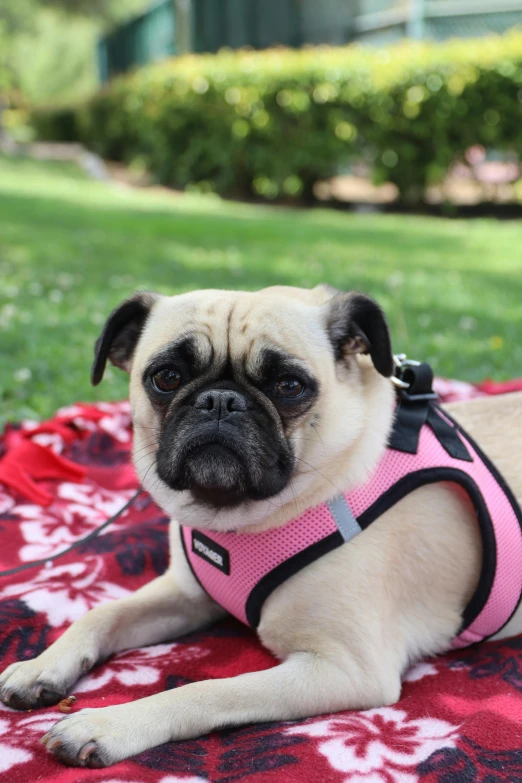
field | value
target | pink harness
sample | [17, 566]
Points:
[240, 570]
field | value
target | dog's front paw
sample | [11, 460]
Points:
[100, 737]
[29, 684]
[84, 739]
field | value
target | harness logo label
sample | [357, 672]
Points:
[213, 553]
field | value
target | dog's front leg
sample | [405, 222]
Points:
[303, 685]
[158, 612]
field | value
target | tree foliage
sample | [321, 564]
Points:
[48, 47]
[275, 122]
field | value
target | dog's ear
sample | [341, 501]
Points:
[356, 324]
[121, 334]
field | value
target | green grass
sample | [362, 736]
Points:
[71, 249]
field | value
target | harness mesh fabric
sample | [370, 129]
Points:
[253, 555]
[256, 558]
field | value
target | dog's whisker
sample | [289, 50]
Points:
[316, 470]
[147, 437]
[146, 446]
[316, 440]
[149, 447]
[186, 519]
[270, 503]
[152, 465]
[143, 456]
[319, 436]
[291, 486]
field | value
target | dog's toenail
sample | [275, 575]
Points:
[86, 751]
[48, 697]
[16, 702]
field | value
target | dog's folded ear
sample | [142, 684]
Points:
[356, 324]
[121, 333]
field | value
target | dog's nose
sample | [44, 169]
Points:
[220, 403]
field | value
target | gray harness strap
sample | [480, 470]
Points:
[344, 519]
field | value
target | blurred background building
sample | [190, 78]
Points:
[434, 123]
[169, 27]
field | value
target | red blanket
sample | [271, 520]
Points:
[459, 719]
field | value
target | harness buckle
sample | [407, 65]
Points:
[413, 380]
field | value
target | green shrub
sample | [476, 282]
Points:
[58, 124]
[274, 122]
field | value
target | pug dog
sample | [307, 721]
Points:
[249, 409]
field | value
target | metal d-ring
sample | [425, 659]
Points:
[401, 361]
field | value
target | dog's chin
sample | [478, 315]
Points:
[218, 476]
[218, 498]
[215, 476]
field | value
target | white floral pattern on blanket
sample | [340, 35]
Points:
[65, 592]
[378, 746]
[84, 507]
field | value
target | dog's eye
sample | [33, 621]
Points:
[289, 387]
[166, 380]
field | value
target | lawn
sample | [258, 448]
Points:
[71, 249]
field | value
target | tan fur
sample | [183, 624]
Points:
[345, 448]
[347, 626]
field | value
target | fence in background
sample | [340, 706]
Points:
[173, 26]
[143, 40]
[381, 22]
[214, 24]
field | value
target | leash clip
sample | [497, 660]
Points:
[413, 380]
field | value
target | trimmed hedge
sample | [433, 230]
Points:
[55, 124]
[274, 122]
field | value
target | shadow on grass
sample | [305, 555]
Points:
[230, 221]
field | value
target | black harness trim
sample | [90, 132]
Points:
[415, 409]
[410, 417]
[448, 433]
[397, 492]
[427, 476]
[284, 571]
[409, 420]
[499, 478]
[189, 561]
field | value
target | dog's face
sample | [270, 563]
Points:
[244, 402]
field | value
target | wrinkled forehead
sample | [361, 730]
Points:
[217, 327]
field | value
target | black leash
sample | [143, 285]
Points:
[89, 537]
[416, 407]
